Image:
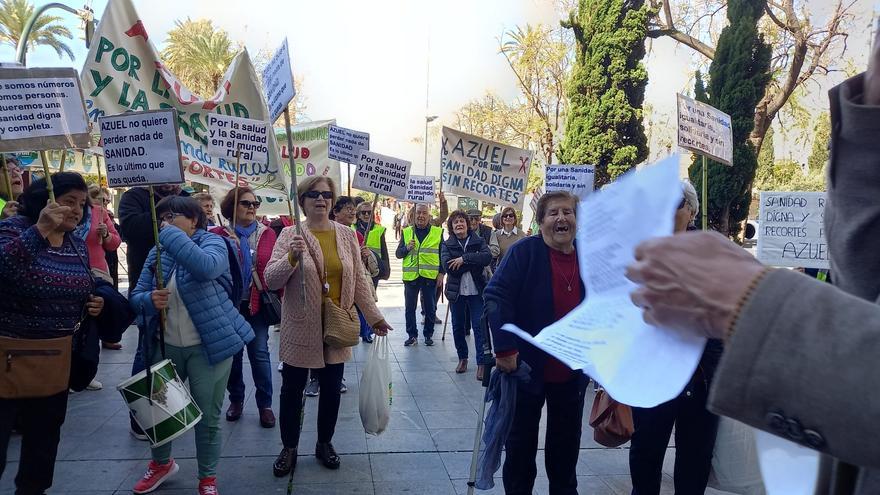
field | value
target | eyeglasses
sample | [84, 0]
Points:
[249, 204]
[170, 216]
[317, 194]
[365, 212]
[508, 215]
[106, 201]
[348, 209]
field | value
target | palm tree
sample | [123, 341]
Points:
[198, 54]
[47, 30]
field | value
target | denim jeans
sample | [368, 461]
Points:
[695, 429]
[420, 289]
[261, 364]
[466, 312]
[366, 329]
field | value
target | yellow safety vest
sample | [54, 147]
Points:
[424, 259]
[374, 240]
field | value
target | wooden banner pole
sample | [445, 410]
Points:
[160, 283]
[705, 195]
[45, 159]
[63, 160]
[293, 184]
[235, 204]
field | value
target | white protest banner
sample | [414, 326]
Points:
[310, 143]
[705, 130]
[536, 196]
[792, 230]
[123, 72]
[41, 109]
[346, 143]
[421, 189]
[75, 161]
[278, 82]
[576, 179]
[141, 148]
[382, 174]
[478, 168]
[606, 336]
[230, 135]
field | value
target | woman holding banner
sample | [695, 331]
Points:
[506, 235]
[326, 254]
[45, 293]
[203, 330]
[255, 247]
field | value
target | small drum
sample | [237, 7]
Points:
[172, 411]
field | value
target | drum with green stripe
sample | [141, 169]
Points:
[164, 411]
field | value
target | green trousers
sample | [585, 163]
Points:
[207, 385]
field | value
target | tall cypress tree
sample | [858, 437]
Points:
[607, 88]
[738, 77]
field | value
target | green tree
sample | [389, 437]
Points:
[198, 54]
[821, 139]
[738, 78]
[607, 88]
[47, 30]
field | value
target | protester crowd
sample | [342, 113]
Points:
[787, 353]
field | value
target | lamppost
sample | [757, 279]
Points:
[86, 14]
[428, 119]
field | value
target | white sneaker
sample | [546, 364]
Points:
[94, 385]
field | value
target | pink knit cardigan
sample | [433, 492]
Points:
[302, 342]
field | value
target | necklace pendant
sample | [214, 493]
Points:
[569, 288]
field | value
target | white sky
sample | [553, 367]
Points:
[364, 61]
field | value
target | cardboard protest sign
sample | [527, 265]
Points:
[278, 82]
[791, 229]
[536, 196]
[482, 169]
[382, 174]
[141, 148]
[346, 143]
[228, 136]
[421, 189]
[123, 72]
[705, 130]
[41, 109]
[576, 179]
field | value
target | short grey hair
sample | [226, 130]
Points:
[690, 197]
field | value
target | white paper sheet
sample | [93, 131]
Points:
[787, 468]
[606, 336]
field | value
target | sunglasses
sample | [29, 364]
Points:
[365, 212]
[249, 204]
[170, 216]
[317, 194]
[508, 215]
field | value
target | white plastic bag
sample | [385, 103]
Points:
[735, 460]
[375, 390]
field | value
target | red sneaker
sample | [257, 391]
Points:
[208, 486]
[156, 474]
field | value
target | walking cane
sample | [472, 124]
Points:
[487, 373]
[445, 322]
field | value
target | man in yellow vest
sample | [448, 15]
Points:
[419, 249]
[374, 240]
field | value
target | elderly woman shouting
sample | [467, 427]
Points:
[465, 256]
[328, 256]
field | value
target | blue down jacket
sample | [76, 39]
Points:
[203, 281]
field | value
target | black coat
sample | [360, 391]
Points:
[476, 258]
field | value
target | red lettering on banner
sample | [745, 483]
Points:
[137, 29]
[523, 160]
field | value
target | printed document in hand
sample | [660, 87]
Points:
[605, 336]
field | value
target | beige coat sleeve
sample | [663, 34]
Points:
[802, 364]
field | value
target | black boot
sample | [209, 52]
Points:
[327, 455]
[285, 463]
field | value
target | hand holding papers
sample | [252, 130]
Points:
[606, 336]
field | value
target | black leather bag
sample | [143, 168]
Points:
[85, 356]
[270, 305]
